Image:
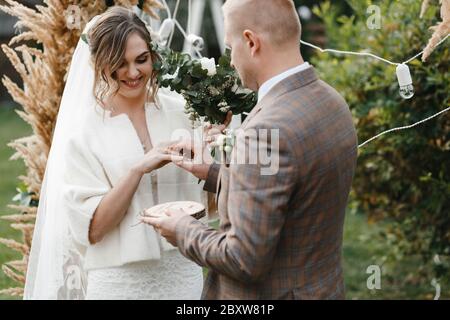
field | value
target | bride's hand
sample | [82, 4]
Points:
[158, 157]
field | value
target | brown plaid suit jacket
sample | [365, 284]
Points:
[280, 236]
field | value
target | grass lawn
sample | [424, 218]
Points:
[358, 253]
[362, 249]
[11, 127]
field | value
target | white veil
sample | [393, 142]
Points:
[55, 264]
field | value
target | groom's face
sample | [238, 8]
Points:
[136, 68]
[241, 58]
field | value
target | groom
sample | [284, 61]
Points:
[280, 235]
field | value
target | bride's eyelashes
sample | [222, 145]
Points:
[142, 60]
[139, 60]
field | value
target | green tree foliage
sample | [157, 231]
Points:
[404, 177]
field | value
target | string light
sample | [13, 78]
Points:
[405, 81]
[404, 128]
[403, 73]
[404, 78]
[166, 29]
[169, 24]
[196, 41]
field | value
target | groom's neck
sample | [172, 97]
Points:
[278, 63]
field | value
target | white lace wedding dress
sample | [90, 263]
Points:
[171, 278]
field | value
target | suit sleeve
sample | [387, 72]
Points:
[257, 206]
[211, 180]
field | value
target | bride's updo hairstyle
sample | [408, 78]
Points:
[107, 42]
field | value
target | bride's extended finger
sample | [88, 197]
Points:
[172, 157]
[182, 145]
[172, 152]
[185, 165]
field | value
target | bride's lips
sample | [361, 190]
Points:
[132, 84]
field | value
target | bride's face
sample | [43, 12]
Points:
[136, 68]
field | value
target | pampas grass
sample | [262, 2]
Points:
[441, 30]
[425, 5]
[13, 292]
[43, 74]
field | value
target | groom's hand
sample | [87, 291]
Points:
[198, 161]
[166, 224]
[211, 132]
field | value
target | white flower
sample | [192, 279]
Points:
[213, 91]
[209, 65]
[436, 259]
[170, 76]
[224, 107]
[243, 91]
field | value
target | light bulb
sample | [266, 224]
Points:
[405, 81]
[196, 41]
[304, 12]
[166, 29]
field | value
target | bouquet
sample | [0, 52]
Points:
[210, 90]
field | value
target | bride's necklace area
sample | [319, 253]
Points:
[143, 138]
[146, 142]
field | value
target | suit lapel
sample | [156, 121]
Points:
[218, 185]
[252, 113]
[293, 82]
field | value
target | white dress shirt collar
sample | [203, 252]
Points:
[269, 84]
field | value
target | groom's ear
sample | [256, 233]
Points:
[252, 41]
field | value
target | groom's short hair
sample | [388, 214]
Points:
[277, 19]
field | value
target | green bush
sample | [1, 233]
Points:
[403, 177]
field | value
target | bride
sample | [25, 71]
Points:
[108, 162]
